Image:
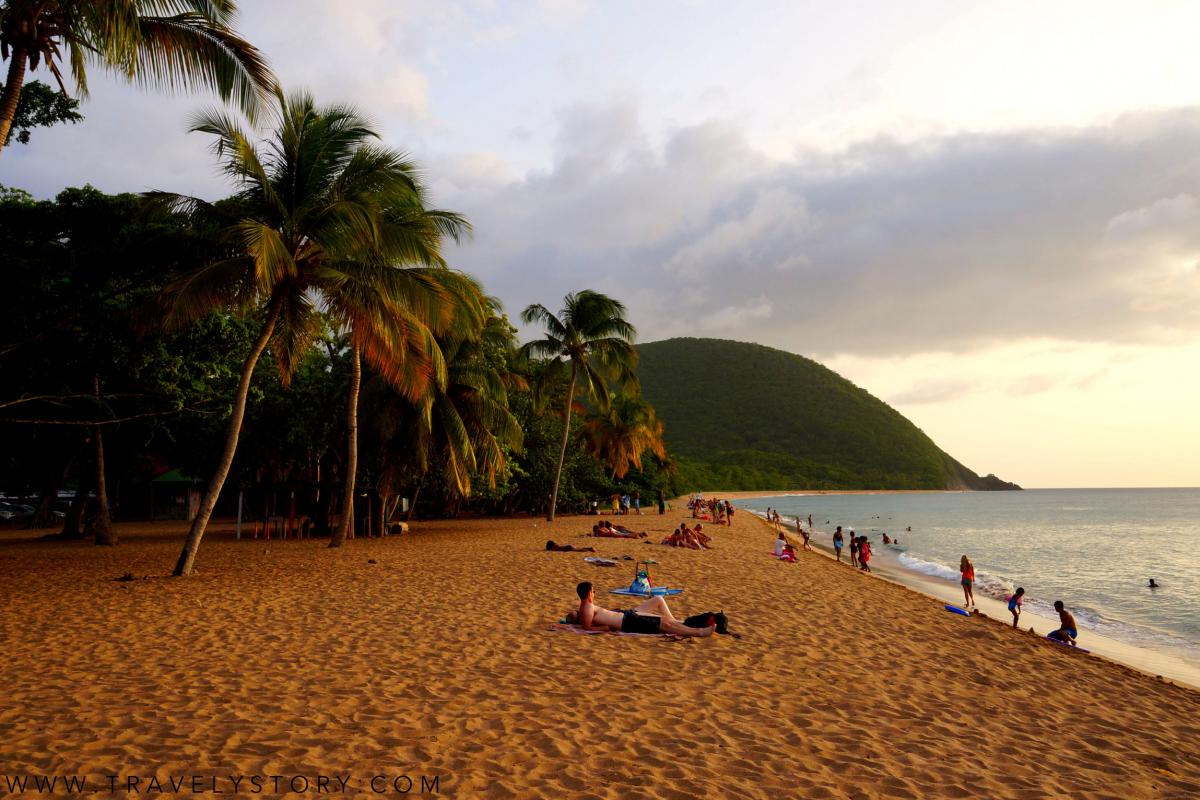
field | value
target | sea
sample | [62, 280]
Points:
[1094, 549]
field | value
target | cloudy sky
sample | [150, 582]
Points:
[986, 214]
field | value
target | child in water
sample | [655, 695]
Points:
[1014, 604]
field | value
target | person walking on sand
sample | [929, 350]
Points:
[662, 502]
[838, 541]
[1067, 631]
[1014, 604]
[803, 534]
[968, 581]
[853, 549]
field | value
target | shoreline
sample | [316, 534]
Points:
[885, 565]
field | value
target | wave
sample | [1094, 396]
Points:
[993, 586]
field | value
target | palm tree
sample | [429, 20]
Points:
[171, 44]
[322, 215]
[621, 435]
[392, 318]
[464, 428]
[591, 337]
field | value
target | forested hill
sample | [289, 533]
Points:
[744, 416]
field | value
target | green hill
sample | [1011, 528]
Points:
[744, 416]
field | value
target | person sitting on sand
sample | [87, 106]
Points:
[650, 616]
[686, 537]
[566, 548]
[1014, 604]
[703, 538]
[1067, 632]
[682, 537]
[783, 549]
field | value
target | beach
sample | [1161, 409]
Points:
[430, 656]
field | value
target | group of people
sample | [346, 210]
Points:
[860, 548]
[711, 510]
[606, 529]
[694, 538]
[1067, 631]
[622, 503]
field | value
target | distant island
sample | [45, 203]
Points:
[742, 416]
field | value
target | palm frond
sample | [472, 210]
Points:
[191, 50]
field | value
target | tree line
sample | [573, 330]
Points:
[305, 333]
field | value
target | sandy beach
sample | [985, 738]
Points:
[429, 655]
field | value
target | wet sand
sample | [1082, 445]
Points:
[289, 659]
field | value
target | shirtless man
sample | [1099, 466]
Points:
[1068, 632]
[605, 528]
[651, 616]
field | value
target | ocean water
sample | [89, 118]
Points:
[1094, 549]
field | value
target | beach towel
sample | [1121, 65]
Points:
[653, 591]
[600, 562]
[564, 627]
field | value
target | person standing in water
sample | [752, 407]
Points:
[968, 581]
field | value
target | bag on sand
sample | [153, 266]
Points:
[717, 618]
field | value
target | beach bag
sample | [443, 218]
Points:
[717, 618]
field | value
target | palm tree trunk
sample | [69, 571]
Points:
[562, 451]
[412, 508]
[187, 558]
[351, 449]
[12, 93]
[102, 525]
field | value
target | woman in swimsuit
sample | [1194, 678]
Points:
[968, 580]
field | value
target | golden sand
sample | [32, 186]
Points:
[289, 659]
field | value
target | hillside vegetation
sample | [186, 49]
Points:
[745, 416]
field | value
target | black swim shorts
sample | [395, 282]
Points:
[633, 622]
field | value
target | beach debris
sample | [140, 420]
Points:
[128, 576]
[372, 561]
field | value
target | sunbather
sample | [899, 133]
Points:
[685, 537]
[567, 548]
[650, 616]
[603, 528]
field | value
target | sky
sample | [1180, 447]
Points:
[986, 214]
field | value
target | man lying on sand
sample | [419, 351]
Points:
[1068, 632]
[567, 548]
[606, 529]
[651, 616]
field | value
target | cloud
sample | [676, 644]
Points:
[931, 391]
[953, 243]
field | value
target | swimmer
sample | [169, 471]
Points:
[1153, 585]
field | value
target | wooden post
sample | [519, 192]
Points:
[237, 531]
